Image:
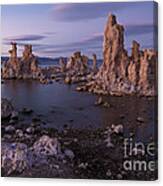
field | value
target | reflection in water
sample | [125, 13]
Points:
[60, 104]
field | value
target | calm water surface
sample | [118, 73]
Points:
[59, 104]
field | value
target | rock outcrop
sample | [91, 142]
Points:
[77, 68]
[11, 67]
[62, 64]
[14, 157]
[94, 67]
[24, 67]
[6, 108]
[29, 63]
[119, 74]
[123, 74]
[77, 62]
[47, 146]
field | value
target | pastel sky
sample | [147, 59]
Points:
[60, 29]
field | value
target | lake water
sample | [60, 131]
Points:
[59, 104]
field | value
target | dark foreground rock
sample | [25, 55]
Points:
[33, 150]
[72, 154]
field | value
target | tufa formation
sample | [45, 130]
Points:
[122, 74]
[21, 68]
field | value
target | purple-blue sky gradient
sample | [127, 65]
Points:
[60, 29]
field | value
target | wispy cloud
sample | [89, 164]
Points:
[139, 29]
[25, 38]
[84, 11]
[91, 43]
[50, 33]
[94, 41]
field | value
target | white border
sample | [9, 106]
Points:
[69, 182]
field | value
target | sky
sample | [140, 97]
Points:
[57, 30]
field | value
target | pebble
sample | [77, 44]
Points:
[7, 137]
[140, 119]
[68, 80]
[30, 130]
[10, 129]
[75, 140]
[83, 165]
[108, 142]
[106, 105]
[19, 133]
[119, 176]
[132, 134]
[12, 122]
[99, 101]
[108, 173]
[118, 129]
[69, 153]
[14, 115]
[56, 166]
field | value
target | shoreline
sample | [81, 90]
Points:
[76, 153]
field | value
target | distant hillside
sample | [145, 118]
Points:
[40, 59]
[4, 59]
[49, 61]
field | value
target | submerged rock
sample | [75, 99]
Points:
[45, 81]
[6, 108]
[68, 80]
[99, 101]
[14, 115]
[26, 111]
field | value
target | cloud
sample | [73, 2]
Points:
[84, 11]
[25, 38]
[139, 29]
[50, 33]
[91, 43]
[22, 44]
[95, 38]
